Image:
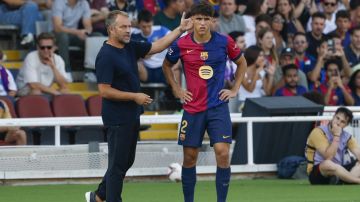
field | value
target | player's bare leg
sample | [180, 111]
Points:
[356, 170]
[188, 174]
[329, 168]
[223, 171]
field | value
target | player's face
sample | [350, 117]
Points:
[145, 27]
[202, 24]
[291, 78]
[340, 120]
[121, 29]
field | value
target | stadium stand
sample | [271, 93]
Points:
[73, 105]
[93, 104]
[35, 106]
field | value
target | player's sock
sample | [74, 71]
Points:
[222, 183]
[188, 178]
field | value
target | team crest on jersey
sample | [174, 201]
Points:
[206, 72]
[204, 55]
[170, 51]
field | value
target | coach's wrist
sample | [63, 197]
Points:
[181, 30]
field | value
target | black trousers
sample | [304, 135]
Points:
[122, 140]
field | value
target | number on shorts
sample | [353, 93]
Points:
[184, 124]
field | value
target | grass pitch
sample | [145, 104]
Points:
[259, 190]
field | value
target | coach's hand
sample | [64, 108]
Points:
[185, 24]
[142, 99]
[226, 94]
[184, 95]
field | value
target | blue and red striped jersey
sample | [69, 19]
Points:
[204, 67]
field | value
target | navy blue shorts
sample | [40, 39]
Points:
[216, 121]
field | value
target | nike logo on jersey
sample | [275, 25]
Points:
[189, 51]
[226, 136]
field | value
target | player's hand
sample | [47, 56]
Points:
[142, 99]
[185, 24]
[184, 95]
[226, 94]
[335, 129]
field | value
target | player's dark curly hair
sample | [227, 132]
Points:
[202, 8]
[347, 113]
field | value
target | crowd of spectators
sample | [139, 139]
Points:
[321, 38]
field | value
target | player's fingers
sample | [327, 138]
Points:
[183, 16]
[188, 93]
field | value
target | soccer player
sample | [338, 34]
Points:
[326, 149]
[204, 54]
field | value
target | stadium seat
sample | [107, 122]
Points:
[74, 106]
[32, 106]
[10, 103]
[94, 105]
[35, 106]
[69, 105]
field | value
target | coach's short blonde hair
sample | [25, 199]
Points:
[110, 20]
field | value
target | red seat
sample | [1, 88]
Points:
[32, 106]
[69, 105]
[94, 104]
[35, 106]
[10, 104]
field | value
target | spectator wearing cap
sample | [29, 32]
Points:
[291, 79]
[335, 91]
[343, 25]
[303, 60]
[354, 85]
[287, 57]
[352, 51]
[316, 36]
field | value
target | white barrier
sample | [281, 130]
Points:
[149, 119]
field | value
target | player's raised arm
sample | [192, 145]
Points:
[163, 43]
[178, 92]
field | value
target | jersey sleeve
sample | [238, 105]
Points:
[141, 48]
[104, 69]
[233, 50]
[173, 53]
[318, 139]
[352, 143]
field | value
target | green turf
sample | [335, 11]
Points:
[240, 191]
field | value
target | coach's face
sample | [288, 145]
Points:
[121, 29]
[202, 24]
